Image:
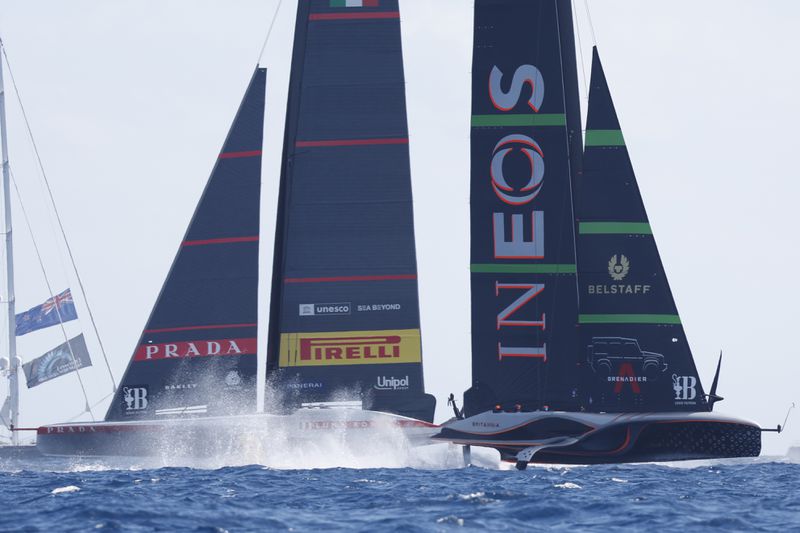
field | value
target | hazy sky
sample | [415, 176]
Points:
[130, 102]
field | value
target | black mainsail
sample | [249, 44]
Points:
[525, 146]
[344, 318]
[637, 355]
[197, 354]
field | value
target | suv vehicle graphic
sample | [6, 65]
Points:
[606, 354]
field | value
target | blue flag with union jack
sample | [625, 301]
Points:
[60, 308]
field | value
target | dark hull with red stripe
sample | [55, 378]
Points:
[601, 438]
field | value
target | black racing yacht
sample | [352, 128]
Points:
[578, 351]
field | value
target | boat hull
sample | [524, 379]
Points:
[217, 436]
[793, 453]
[21, 452]
[600, 438]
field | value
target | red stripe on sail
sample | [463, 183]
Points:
[192, 328]
[235, 155]
[355, 16]
[351, 142]
[224, 240]
[350, 278]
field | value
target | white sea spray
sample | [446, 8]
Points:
[64, 490]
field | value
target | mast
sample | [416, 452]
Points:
[13, 381]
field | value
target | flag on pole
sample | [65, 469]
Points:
[47, 314]
[57, 362]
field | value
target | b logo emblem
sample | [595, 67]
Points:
[618, 271]
[135, 398]
[684, 387]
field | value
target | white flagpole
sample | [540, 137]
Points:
[14, 362]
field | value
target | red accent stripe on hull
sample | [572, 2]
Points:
[351, 142]
[350, 278]
[355, 16]
[236, 155]
[224, 240]
[113, 428]
[96, 428]
[192, 328]
[415, 424]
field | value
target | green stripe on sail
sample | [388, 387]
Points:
[528, 119]
[488, 268]
[338, 3]
[629, 319]
[629, 228]
[604, 138]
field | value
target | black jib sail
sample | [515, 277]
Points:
[344, 319]
[197, 354]
[635, 351]
[525, 146]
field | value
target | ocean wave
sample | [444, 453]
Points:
[722, 494]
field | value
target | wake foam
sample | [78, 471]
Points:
[315, 439]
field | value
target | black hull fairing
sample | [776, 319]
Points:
[602, 438]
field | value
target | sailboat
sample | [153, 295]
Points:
[578, 352]
[793, 453]
[72, 355]
[343, 343]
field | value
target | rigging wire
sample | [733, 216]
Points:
[56, 305]
[571, 195]
[98, 402]
[269, 31]
[580, 49]
[58, 216]
[589, 17]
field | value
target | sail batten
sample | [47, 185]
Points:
[615, 228]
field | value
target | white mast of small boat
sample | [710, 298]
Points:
[8, 285]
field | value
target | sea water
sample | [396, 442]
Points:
[432, 492]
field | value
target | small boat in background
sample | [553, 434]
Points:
[793, 453]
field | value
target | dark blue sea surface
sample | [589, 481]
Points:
[752, 495]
